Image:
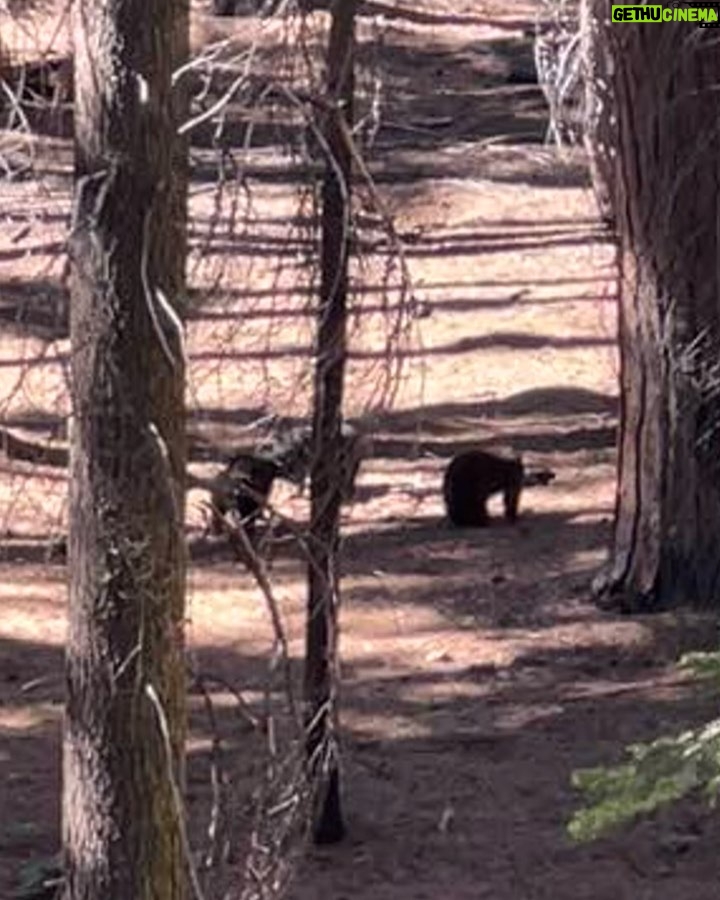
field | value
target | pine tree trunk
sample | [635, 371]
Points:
[667, 534]
[124, 732]
[321, 670]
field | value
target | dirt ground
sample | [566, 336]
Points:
[476, 672]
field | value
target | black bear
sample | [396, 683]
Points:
[242, 489]
[472, 477]
[294, 446]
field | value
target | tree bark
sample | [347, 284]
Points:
[125, 719]
[667, 529]
[599, 129]
[321, 669]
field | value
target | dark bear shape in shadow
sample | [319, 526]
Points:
[473, 477]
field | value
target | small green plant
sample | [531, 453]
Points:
[656, 773]
[39, 878]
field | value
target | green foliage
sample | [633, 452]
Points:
[656, 773]
[18, 831]
[39, 878]
[703, 665]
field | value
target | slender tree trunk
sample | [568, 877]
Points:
[599, 129]
[667, 534]
[321, 670]
[125, 721]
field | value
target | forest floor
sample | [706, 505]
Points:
[476, 672]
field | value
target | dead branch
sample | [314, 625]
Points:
[30, 451]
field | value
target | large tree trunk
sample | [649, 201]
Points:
[321, 671]
[667, 535]
[125, 721]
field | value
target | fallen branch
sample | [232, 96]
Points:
[30, 451]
